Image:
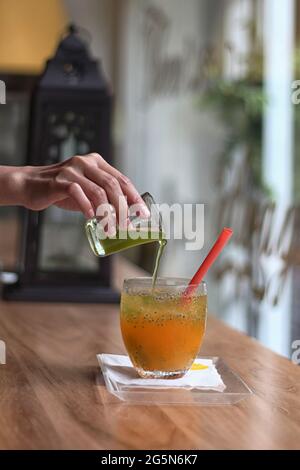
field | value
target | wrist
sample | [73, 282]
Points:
[13, 185]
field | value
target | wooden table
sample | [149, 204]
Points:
[49, 398]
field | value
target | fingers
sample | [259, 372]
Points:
[83, 195]
[68, 204]
[95, 193]
[102, 207]
[129, 190]
[113, 191]
[134, 199]
[76, 193]
[93, 185]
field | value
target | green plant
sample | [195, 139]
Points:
[240, 104]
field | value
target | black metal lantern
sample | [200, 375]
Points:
[70, 114]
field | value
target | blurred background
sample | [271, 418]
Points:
[203, 113]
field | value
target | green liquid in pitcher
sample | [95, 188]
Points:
[123, 241]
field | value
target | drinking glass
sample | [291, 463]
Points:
[162, 331]
[141, 230]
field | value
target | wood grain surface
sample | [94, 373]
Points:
[49, 397]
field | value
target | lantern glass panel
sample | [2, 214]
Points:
[62, 243]
[13, 124]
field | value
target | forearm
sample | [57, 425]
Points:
[11, 184]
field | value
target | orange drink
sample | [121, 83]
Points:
[162, 333]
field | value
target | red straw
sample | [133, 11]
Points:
[209, 260]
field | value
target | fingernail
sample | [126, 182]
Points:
[144, 211]
[91, 214]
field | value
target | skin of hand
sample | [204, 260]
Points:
[81, 183]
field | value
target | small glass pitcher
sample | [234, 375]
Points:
[140, 231]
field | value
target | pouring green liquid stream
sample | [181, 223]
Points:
[161, 247]
[124, 240]
[141, 231]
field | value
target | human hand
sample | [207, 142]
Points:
[81, 183]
